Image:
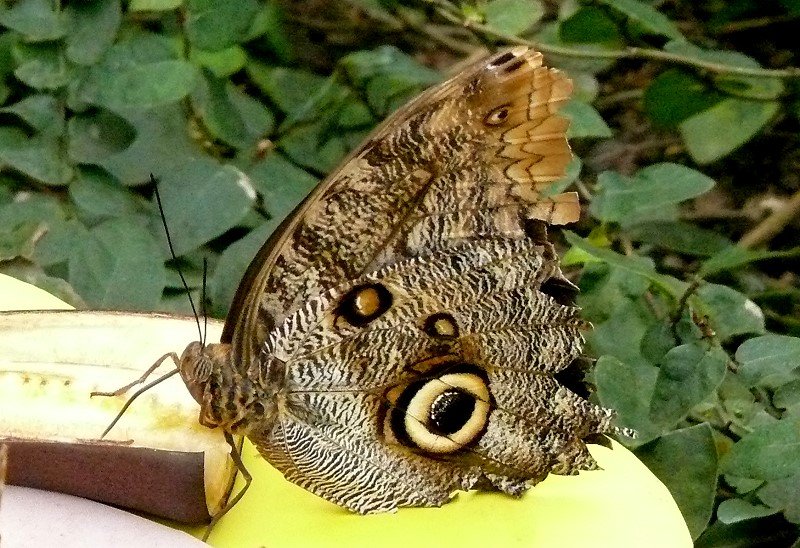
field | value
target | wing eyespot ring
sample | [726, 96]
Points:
[363, 304]
[443, 414]
[441, 326]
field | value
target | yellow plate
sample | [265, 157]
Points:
[621, 505]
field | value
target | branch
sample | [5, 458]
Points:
[626, 53]
[772, 225]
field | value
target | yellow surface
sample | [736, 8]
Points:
[622, 505]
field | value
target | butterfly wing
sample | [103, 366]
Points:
[431, 375]
[466, 159]
[406, 305]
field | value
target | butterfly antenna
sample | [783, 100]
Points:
[175, 258]
[203, 302]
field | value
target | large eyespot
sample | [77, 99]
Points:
[443, 414]
[497, 116]
[363, 304]
[441, 326]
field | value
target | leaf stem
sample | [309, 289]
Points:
[632, 52]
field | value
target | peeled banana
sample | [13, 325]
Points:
[158, 459]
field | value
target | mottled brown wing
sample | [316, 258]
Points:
[428, 376]
[465, 160]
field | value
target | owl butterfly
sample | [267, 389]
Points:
[402, 334]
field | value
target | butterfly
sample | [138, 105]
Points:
[403, 334]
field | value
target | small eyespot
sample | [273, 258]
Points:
[443, 414]
[441, 326]
[497, 116]
[363, 304]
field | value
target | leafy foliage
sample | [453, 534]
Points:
[239, 108]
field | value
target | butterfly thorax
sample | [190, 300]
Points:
[228, 399]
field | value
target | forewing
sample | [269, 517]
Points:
[467, 159]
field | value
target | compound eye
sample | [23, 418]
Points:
[443, 414]
[497, 116]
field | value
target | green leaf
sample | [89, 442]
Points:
[20, 240]
[40, 111]
[270, 26]
[629, 317]
[730, 312]
[627, 389]
[289, 89]
[688, 375]
[41, 66]
[647, 17]
[783, 495]
[769, 359]
[98, 196]
[634, 264]
[389, 77]
[314, 146]
[604, 287]
[675, 95]
[154, 5]
[282, 184]
[657, 341]
[787, 396]
[734, 257]
[213, 25]
[735, 510]
[653, 190]
[222, 63]
[679, 236]
[97, 135]
[230, 115]
[140, 86]
[119, 266]
[162, 145]
[721, 129]
[743, 485]
[769, 453]
[93, 29]
[233, 263]
[513, 16]
[38, 158]
[751, 87]
[585, 121]
[587, 25]
[35, 208]
[201, 201]
[686, 462]
[35, 20]
[761, 532]
[58, 242]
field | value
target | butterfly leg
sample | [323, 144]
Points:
[140, 380]
[236, 456]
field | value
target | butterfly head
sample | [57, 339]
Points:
[227, 399]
